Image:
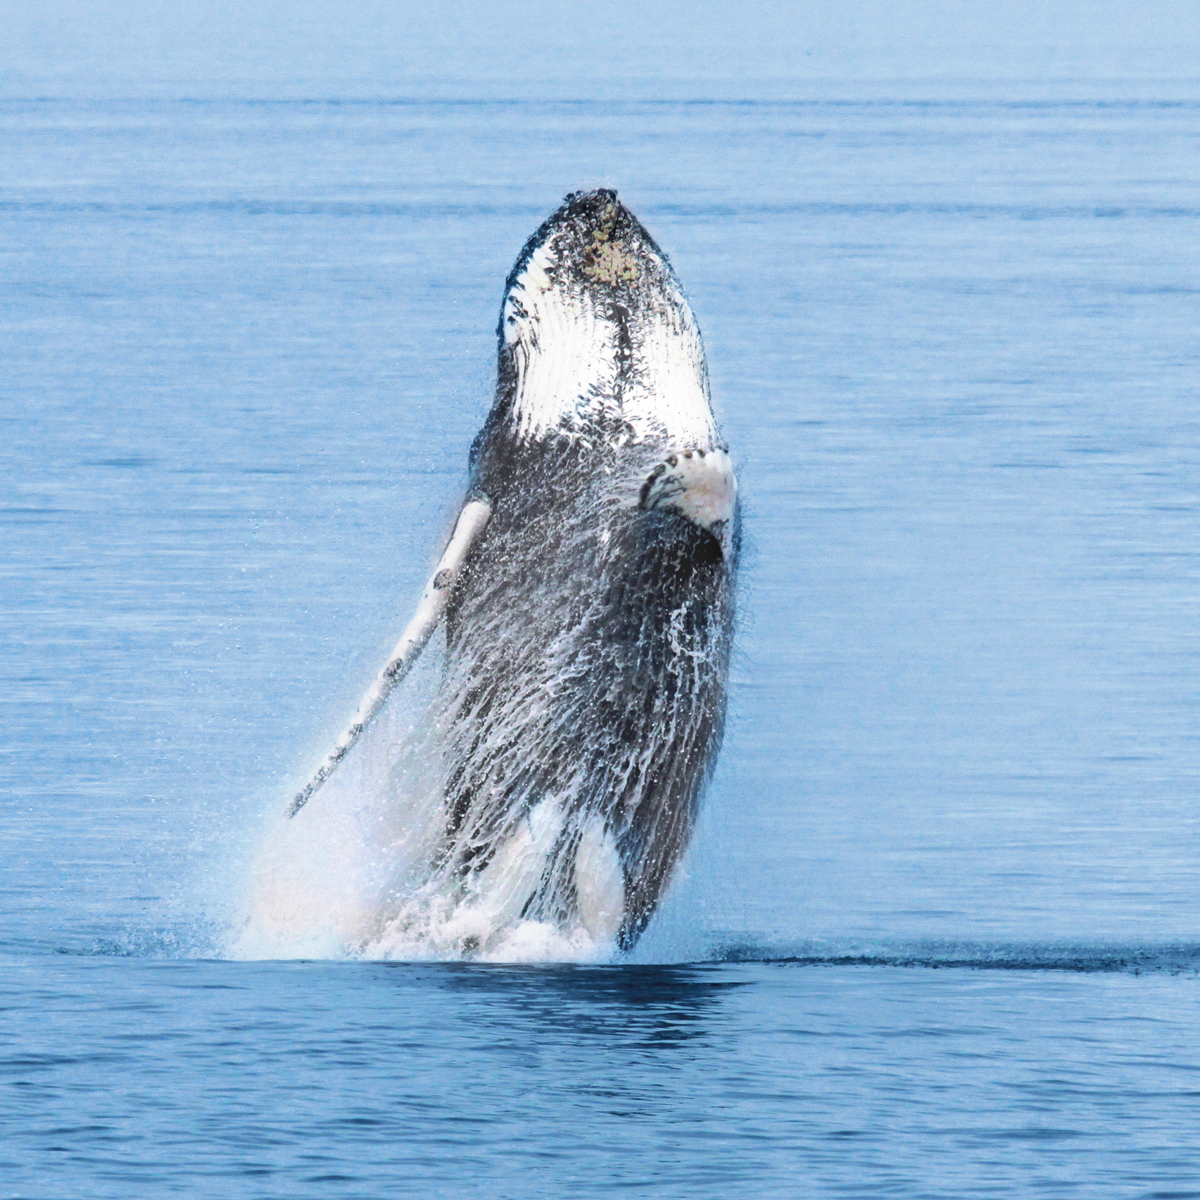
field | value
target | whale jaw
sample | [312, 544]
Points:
[597, 340]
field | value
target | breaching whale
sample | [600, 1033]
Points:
[587, 594]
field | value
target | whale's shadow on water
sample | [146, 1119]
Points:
[651, 1006]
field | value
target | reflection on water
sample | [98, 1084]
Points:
[623, 1006]
[738, 1080]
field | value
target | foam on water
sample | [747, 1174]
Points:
[355, 875]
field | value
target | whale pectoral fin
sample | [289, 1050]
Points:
[698, 484]
[432, 606]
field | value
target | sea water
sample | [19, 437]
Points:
[937, 935]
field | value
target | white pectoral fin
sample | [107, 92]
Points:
[470, 524]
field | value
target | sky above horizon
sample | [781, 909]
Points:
[614, 48]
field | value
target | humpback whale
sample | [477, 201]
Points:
[587, 597]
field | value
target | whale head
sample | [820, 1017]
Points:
[598, 343]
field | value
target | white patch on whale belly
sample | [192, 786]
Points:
[599, 881]
[669, 390]
[497, 895]
[563, 348]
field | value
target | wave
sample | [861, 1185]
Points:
[1179, 958]
[543, 946]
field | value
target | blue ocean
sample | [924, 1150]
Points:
[938, 932]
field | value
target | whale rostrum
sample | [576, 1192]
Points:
[587, 594]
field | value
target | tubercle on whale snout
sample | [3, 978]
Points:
[590, 221]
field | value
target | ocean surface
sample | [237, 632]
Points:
[939, 931]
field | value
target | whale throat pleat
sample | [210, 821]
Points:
[581, 356]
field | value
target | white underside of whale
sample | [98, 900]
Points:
[564, 341]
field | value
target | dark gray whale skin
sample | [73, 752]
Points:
[588, 637]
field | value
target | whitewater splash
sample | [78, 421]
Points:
[358, 877]
[535, 802]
